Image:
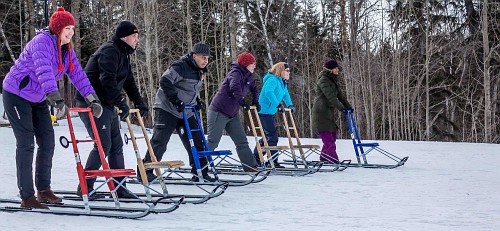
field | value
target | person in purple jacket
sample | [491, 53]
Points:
[29, 86]
[223, 111]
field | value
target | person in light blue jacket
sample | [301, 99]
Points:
[274, 90]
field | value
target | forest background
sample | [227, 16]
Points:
[413, 70]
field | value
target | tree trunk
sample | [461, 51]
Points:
[486, 74]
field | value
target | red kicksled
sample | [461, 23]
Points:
[106, 172]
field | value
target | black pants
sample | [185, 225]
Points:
[29, 121]
[165, 123]
[108, 126]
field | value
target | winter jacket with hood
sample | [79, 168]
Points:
[274, 90]
[35, 72]
[233, 90]
[328, 101]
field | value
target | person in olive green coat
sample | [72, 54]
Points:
[324, 116]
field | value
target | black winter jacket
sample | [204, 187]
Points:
[109, 71]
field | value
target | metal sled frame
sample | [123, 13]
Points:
[218, 161]
[168, 166]
[305, 168]
[108, 174]
[306, 150]
[361, 153]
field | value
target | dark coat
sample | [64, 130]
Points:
[233, 90]
[328, 101]
[182, 80]
[109, 71]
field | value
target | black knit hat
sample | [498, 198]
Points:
[331, 64]
[125, 28]
[201, 48]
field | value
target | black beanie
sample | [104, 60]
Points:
[330, 64]
[125, 28]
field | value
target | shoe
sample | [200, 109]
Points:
[125, 194]
[47, 196]
[149, 174]
[277, 165]
[32, 203]
[206, 178]
[91, 197]
[251, 169]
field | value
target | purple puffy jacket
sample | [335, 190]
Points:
[233, 90]
[35, 73]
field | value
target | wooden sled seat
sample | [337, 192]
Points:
[310, 146]
[275, 148]
[169, 164]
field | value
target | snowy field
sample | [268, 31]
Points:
[443, 186]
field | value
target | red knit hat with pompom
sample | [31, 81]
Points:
[58, 21]
[245, 59]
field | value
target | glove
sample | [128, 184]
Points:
[55, 99]
[291, 107]
[350, 109]
[95, 104]
[200, 104]
[245, 106]
[257, 105]
[344, 110]
[281, 108]
[143, 108]
[178, 104]
[125, 110]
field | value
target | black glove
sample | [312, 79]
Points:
[281, 107]
[257, 105]
[94, 104]
[245, 106]
[178, 104]
[123, 106]
[200, 104]
[55, 99]
[143, 108]
[291, 107]
[350, 109]
[344, 110]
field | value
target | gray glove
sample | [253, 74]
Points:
[55, 99]
[95, 104]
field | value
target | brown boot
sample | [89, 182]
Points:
[31, 202]
[252, 169]
[47, 196]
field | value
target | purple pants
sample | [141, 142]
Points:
[329, 152]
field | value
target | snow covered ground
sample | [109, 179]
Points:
[443, 186]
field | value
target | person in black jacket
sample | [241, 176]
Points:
[109, 71]
[179, 86]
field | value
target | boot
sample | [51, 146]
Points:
[149, 174]
[91, 197]
[32, 203]
[205, 178]
[251, 169]
[47, 196]
[125, 194]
